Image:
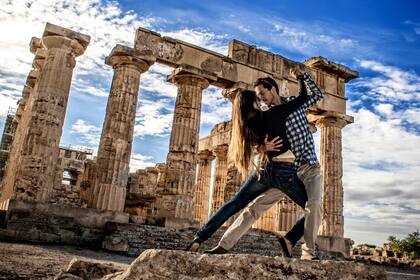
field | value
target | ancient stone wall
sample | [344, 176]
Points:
[69, 175]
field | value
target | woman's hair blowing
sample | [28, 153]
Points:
[246, 131]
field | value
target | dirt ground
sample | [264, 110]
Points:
[41, 261]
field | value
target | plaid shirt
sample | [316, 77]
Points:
[297, 126]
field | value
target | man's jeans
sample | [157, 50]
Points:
[277, 176]
[307, 226]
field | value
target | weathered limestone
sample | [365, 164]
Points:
[159, 264]
[69, 176]
[117, 133]
[40, 145]
[181, 160]
[23, 116]
[202, 190]
[332, 172]
[220, 177]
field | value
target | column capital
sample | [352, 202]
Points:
[123, 55]
[189, 75]
[205, 155]
[61, 42]
[221, 151]
[333, 119]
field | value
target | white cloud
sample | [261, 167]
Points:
[86, 133]
[392, 83]
[139, 161]
[381, 156]
[384, 109]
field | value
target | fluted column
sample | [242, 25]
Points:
[23, 116]
[183, 146]
[220, 177]
[332, 172]
[202, 192]
[117, 133]
[40, 149]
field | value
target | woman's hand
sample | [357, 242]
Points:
[274, 145]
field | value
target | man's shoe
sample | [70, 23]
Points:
[285, 247]
[309, 256]
[217, 250]
[193, 247]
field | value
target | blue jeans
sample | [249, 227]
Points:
[275, 175]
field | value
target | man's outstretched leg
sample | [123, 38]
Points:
[247, 218]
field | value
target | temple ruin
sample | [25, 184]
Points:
[182, 192]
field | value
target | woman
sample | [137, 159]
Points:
[250, 128]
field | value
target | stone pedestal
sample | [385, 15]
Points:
[332, 172]
[181, 160]
[40, 146]
[202, 191]
[117, 133]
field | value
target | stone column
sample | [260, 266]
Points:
[183, 146]
[202, 191]
[23, 116]
[332, 172]
[117, 133]
[40, 148]
[220, 177]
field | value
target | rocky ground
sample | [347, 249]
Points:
[40, 261]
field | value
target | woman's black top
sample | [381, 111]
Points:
[274, 119]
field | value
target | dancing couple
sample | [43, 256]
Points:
[278, 131]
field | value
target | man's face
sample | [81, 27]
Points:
[265, 95]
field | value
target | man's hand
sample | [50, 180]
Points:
[274, 145]
[297, 72]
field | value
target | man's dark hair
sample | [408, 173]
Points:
[268, 83]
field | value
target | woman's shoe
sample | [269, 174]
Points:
[193, 247]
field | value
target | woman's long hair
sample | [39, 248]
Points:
[247, 131]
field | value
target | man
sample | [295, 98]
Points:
[303, 148]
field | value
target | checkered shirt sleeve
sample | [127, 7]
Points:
[298, 129]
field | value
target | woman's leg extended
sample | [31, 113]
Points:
[250, 190]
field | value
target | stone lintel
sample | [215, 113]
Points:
[324, 64]
[185, 69]
[35, 44]
[244, 63]
[55, 30]
[204, 143]
[125, 55]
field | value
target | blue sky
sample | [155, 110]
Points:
[379, 39]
